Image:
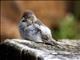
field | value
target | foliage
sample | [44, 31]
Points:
[67, 28]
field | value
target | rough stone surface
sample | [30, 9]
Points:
[18, 49]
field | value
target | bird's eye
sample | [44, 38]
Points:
[23, 20]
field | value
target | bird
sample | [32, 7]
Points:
[31, 28]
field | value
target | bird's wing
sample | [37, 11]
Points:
[38, 22]
[45, 30]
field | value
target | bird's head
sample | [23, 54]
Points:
[28, 16]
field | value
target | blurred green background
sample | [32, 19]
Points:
[62, 17]
[69, 28]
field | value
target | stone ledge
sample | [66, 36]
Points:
[18, 49]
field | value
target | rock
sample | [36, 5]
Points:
[18, 49]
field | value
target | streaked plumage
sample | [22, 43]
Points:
[32, 28]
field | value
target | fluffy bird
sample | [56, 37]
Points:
[31, 28]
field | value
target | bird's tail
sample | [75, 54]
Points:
[55, 43]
